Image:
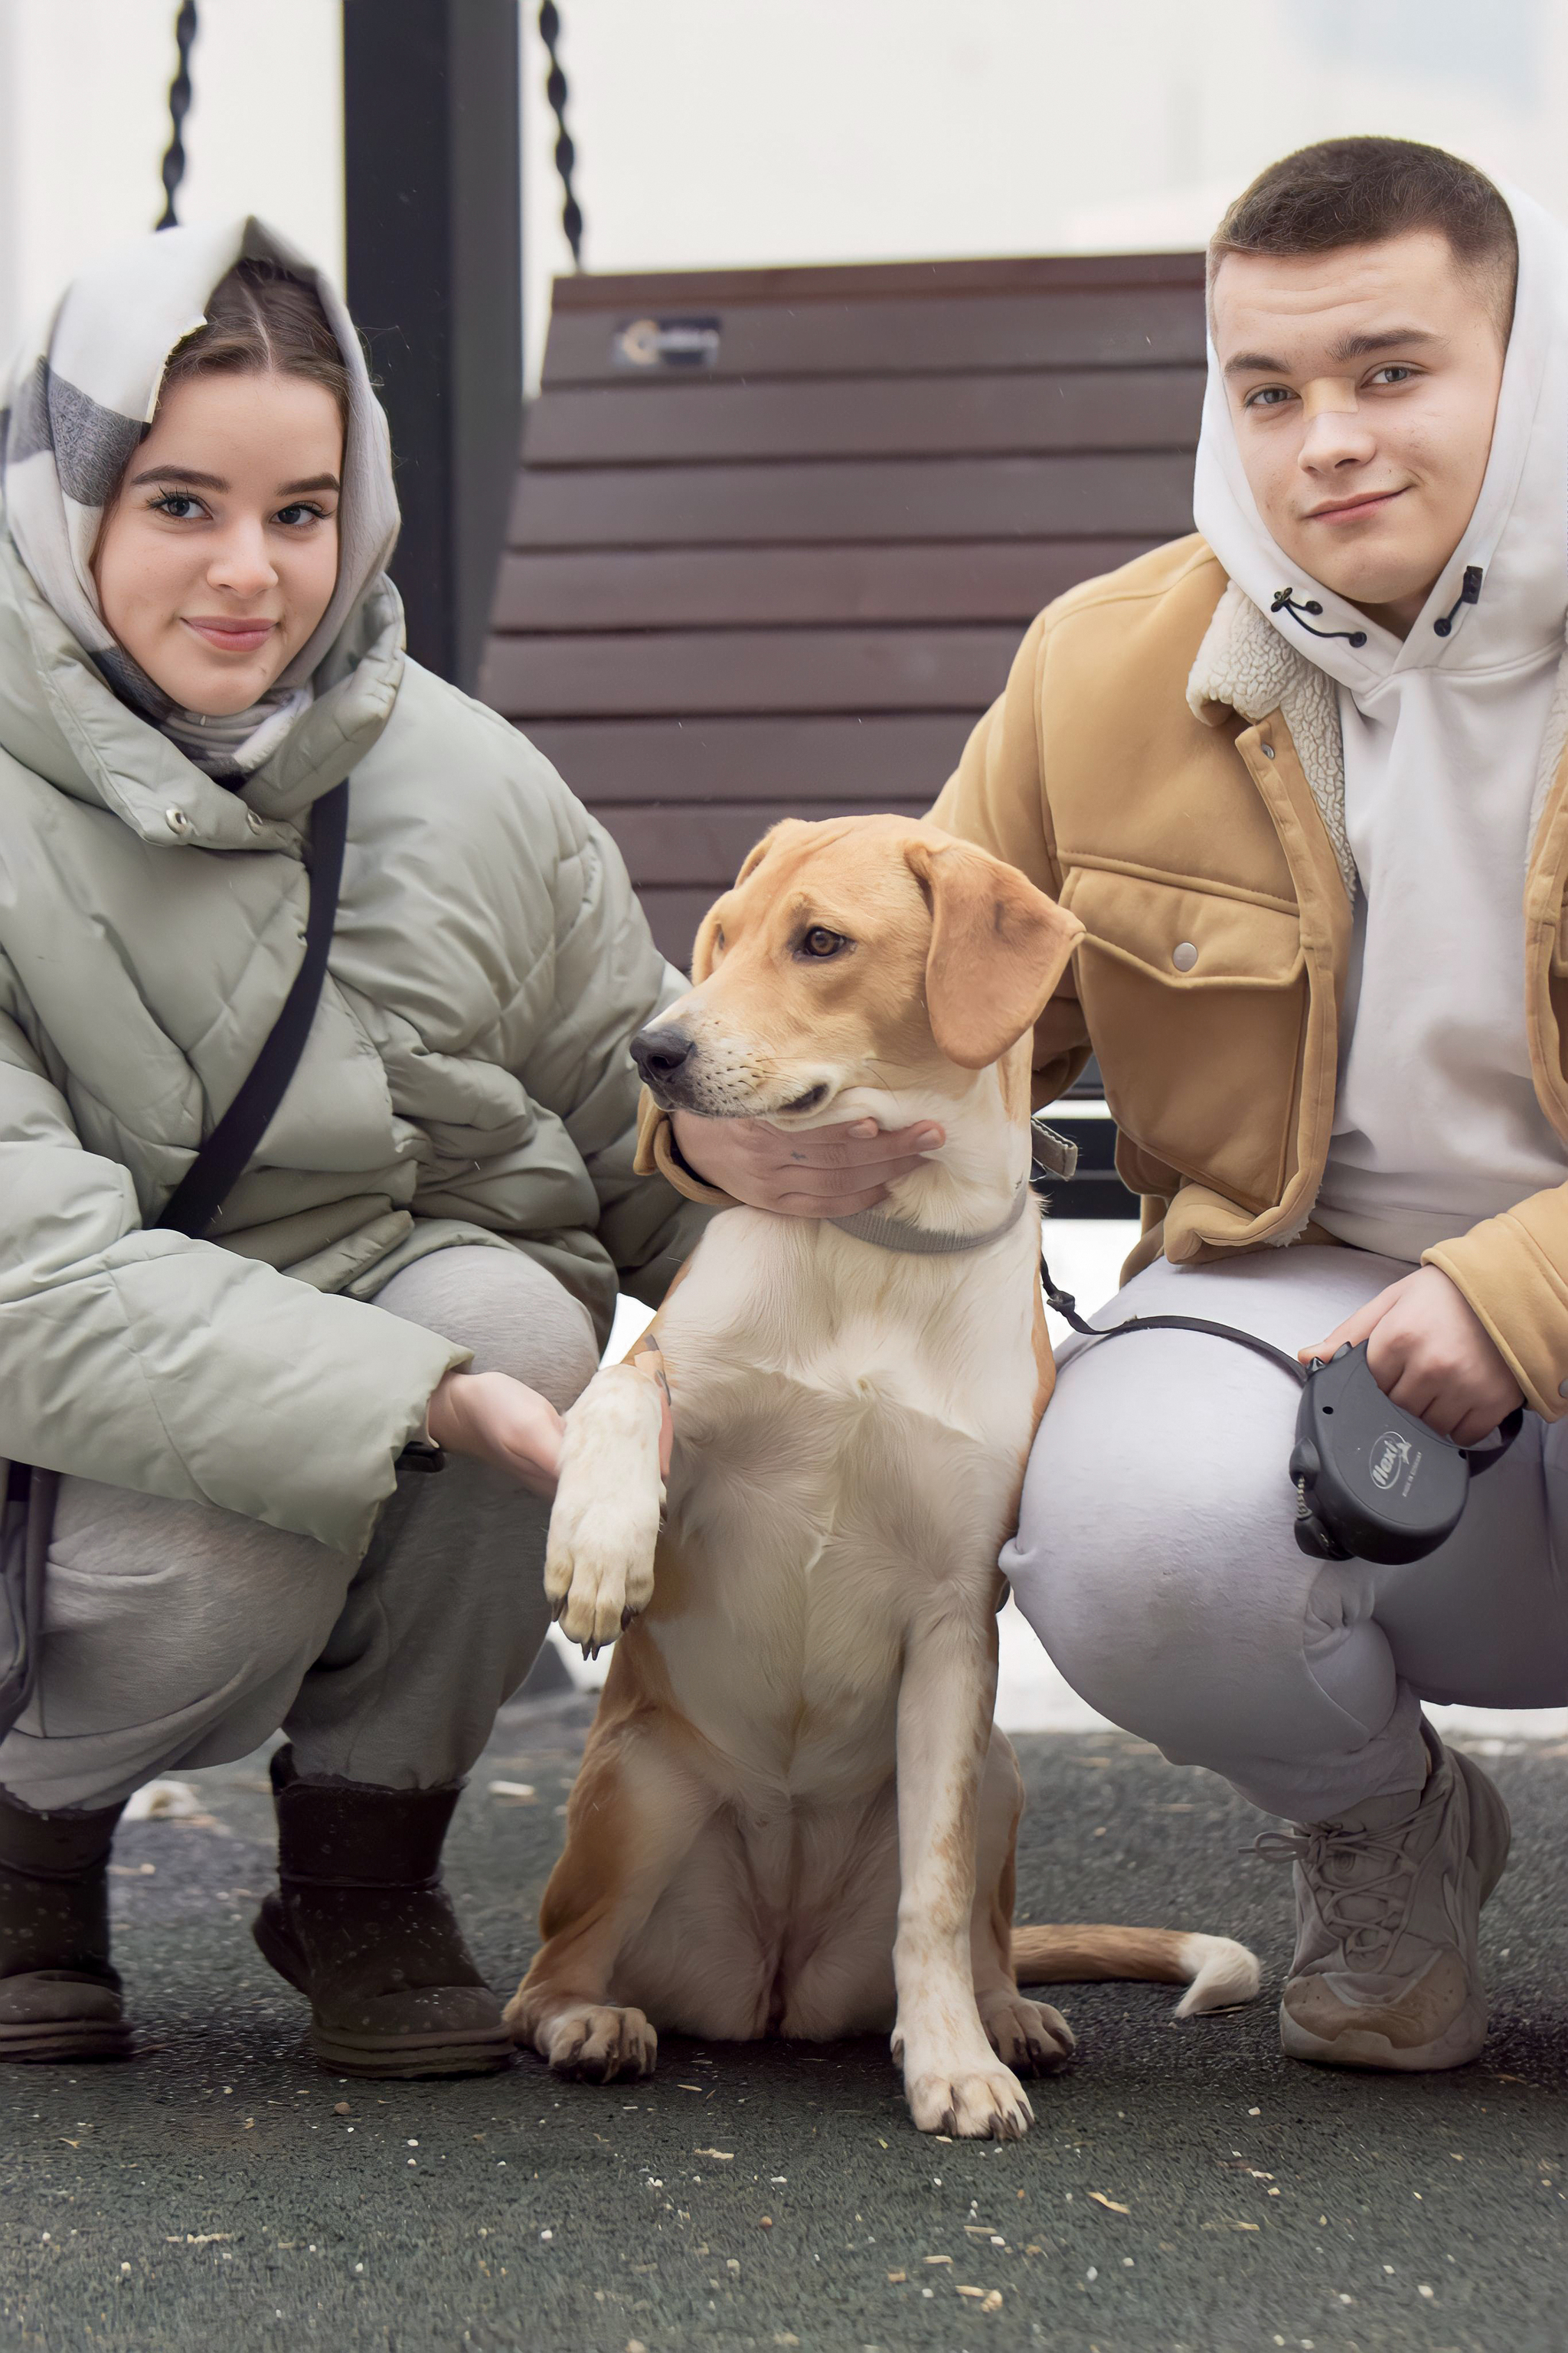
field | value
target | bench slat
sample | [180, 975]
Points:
[707, 847]
[1158, 326]
[681, 671]
[627, 588]
[1139, 494]
[706, 423]
[813, 763]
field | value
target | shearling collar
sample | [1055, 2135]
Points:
[1245, 665]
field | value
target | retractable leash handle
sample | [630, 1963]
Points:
[1372, 1481]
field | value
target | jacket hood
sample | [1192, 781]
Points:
[1517, 538]
[60, 719]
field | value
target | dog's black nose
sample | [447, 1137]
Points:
[660, 1052]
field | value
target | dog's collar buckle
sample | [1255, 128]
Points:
[926, 1241]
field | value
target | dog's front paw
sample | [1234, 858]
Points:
[972, 2104]
[967, 2094]
[595, 2045]
[598, 1562]
[1029, 2036]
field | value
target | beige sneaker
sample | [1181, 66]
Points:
[1388, 1900]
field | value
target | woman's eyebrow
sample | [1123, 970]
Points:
[179, 474]
[316, 482]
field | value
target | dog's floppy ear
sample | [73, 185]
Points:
[998, 947]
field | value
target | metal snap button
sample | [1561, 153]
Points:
[253, 821]
[1268, 750]
[1184, 956]
[1562, 1388]
[176, 821]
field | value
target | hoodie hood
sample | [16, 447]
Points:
[1429, 758]
[1517, 538]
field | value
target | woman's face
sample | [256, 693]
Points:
[220, 553]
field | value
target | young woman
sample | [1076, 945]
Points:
[197, 641]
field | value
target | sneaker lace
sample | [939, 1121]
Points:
[1335, 1860]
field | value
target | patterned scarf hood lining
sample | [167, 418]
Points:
[79, 399]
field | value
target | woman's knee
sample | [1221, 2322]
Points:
[165, 1609]
[508, 1310]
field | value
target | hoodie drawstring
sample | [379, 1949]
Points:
[1284, 602]
[1469, 593]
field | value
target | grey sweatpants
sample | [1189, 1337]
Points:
[1155, 1559]
[178, 1635]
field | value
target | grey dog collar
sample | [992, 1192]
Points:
[926, 1241]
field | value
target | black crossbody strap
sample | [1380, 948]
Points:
[226, 1153]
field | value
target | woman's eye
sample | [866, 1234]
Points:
[1269, 395]
[820, 942]
[1396, 373]
[179, 505]
[299, 513]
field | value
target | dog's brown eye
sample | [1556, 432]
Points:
[820, 942]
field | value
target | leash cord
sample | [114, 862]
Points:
[1479, 1458]
[1066, 1306]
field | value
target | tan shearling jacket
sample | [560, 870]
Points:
[1165, 766]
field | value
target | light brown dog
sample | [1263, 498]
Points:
[794, 1815]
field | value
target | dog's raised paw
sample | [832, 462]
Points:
[595, 2045]
[598, 1562]
[1030, 2037]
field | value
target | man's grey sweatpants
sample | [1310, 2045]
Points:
[180, 1635]
[1156, 1562]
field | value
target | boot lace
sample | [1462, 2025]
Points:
[1343, 1867]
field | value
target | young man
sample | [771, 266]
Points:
[1301, 779]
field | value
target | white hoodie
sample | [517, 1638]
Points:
[1447, 741]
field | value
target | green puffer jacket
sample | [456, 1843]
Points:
[467, 1079]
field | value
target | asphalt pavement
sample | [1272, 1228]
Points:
[1185, 2189]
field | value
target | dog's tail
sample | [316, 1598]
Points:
[1216, 1972]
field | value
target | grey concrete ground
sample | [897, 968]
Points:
[1185, 2191]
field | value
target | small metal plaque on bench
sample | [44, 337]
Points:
[665, 343]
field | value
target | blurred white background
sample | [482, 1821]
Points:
[777, 131]
[713, 131]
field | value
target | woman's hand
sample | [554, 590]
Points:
[1430, 1353]
[498, 1421]
[816, 1172]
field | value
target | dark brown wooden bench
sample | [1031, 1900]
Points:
[777, 533]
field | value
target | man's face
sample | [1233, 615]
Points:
[1363, 385]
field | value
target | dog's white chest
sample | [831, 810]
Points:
[836, 1472]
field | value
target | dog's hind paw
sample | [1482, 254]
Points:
[1028, 2036]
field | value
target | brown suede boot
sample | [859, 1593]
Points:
[59, 1998]
[362, 1925]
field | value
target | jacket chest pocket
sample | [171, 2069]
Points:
[1197, 1007]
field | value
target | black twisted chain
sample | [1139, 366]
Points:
[179, 107]
[566, 153]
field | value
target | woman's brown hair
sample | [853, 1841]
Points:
[262, 320]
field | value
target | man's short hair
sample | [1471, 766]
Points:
[1345, 192]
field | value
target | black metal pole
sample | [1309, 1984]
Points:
[433, 222]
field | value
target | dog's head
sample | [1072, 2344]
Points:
[866, 954]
